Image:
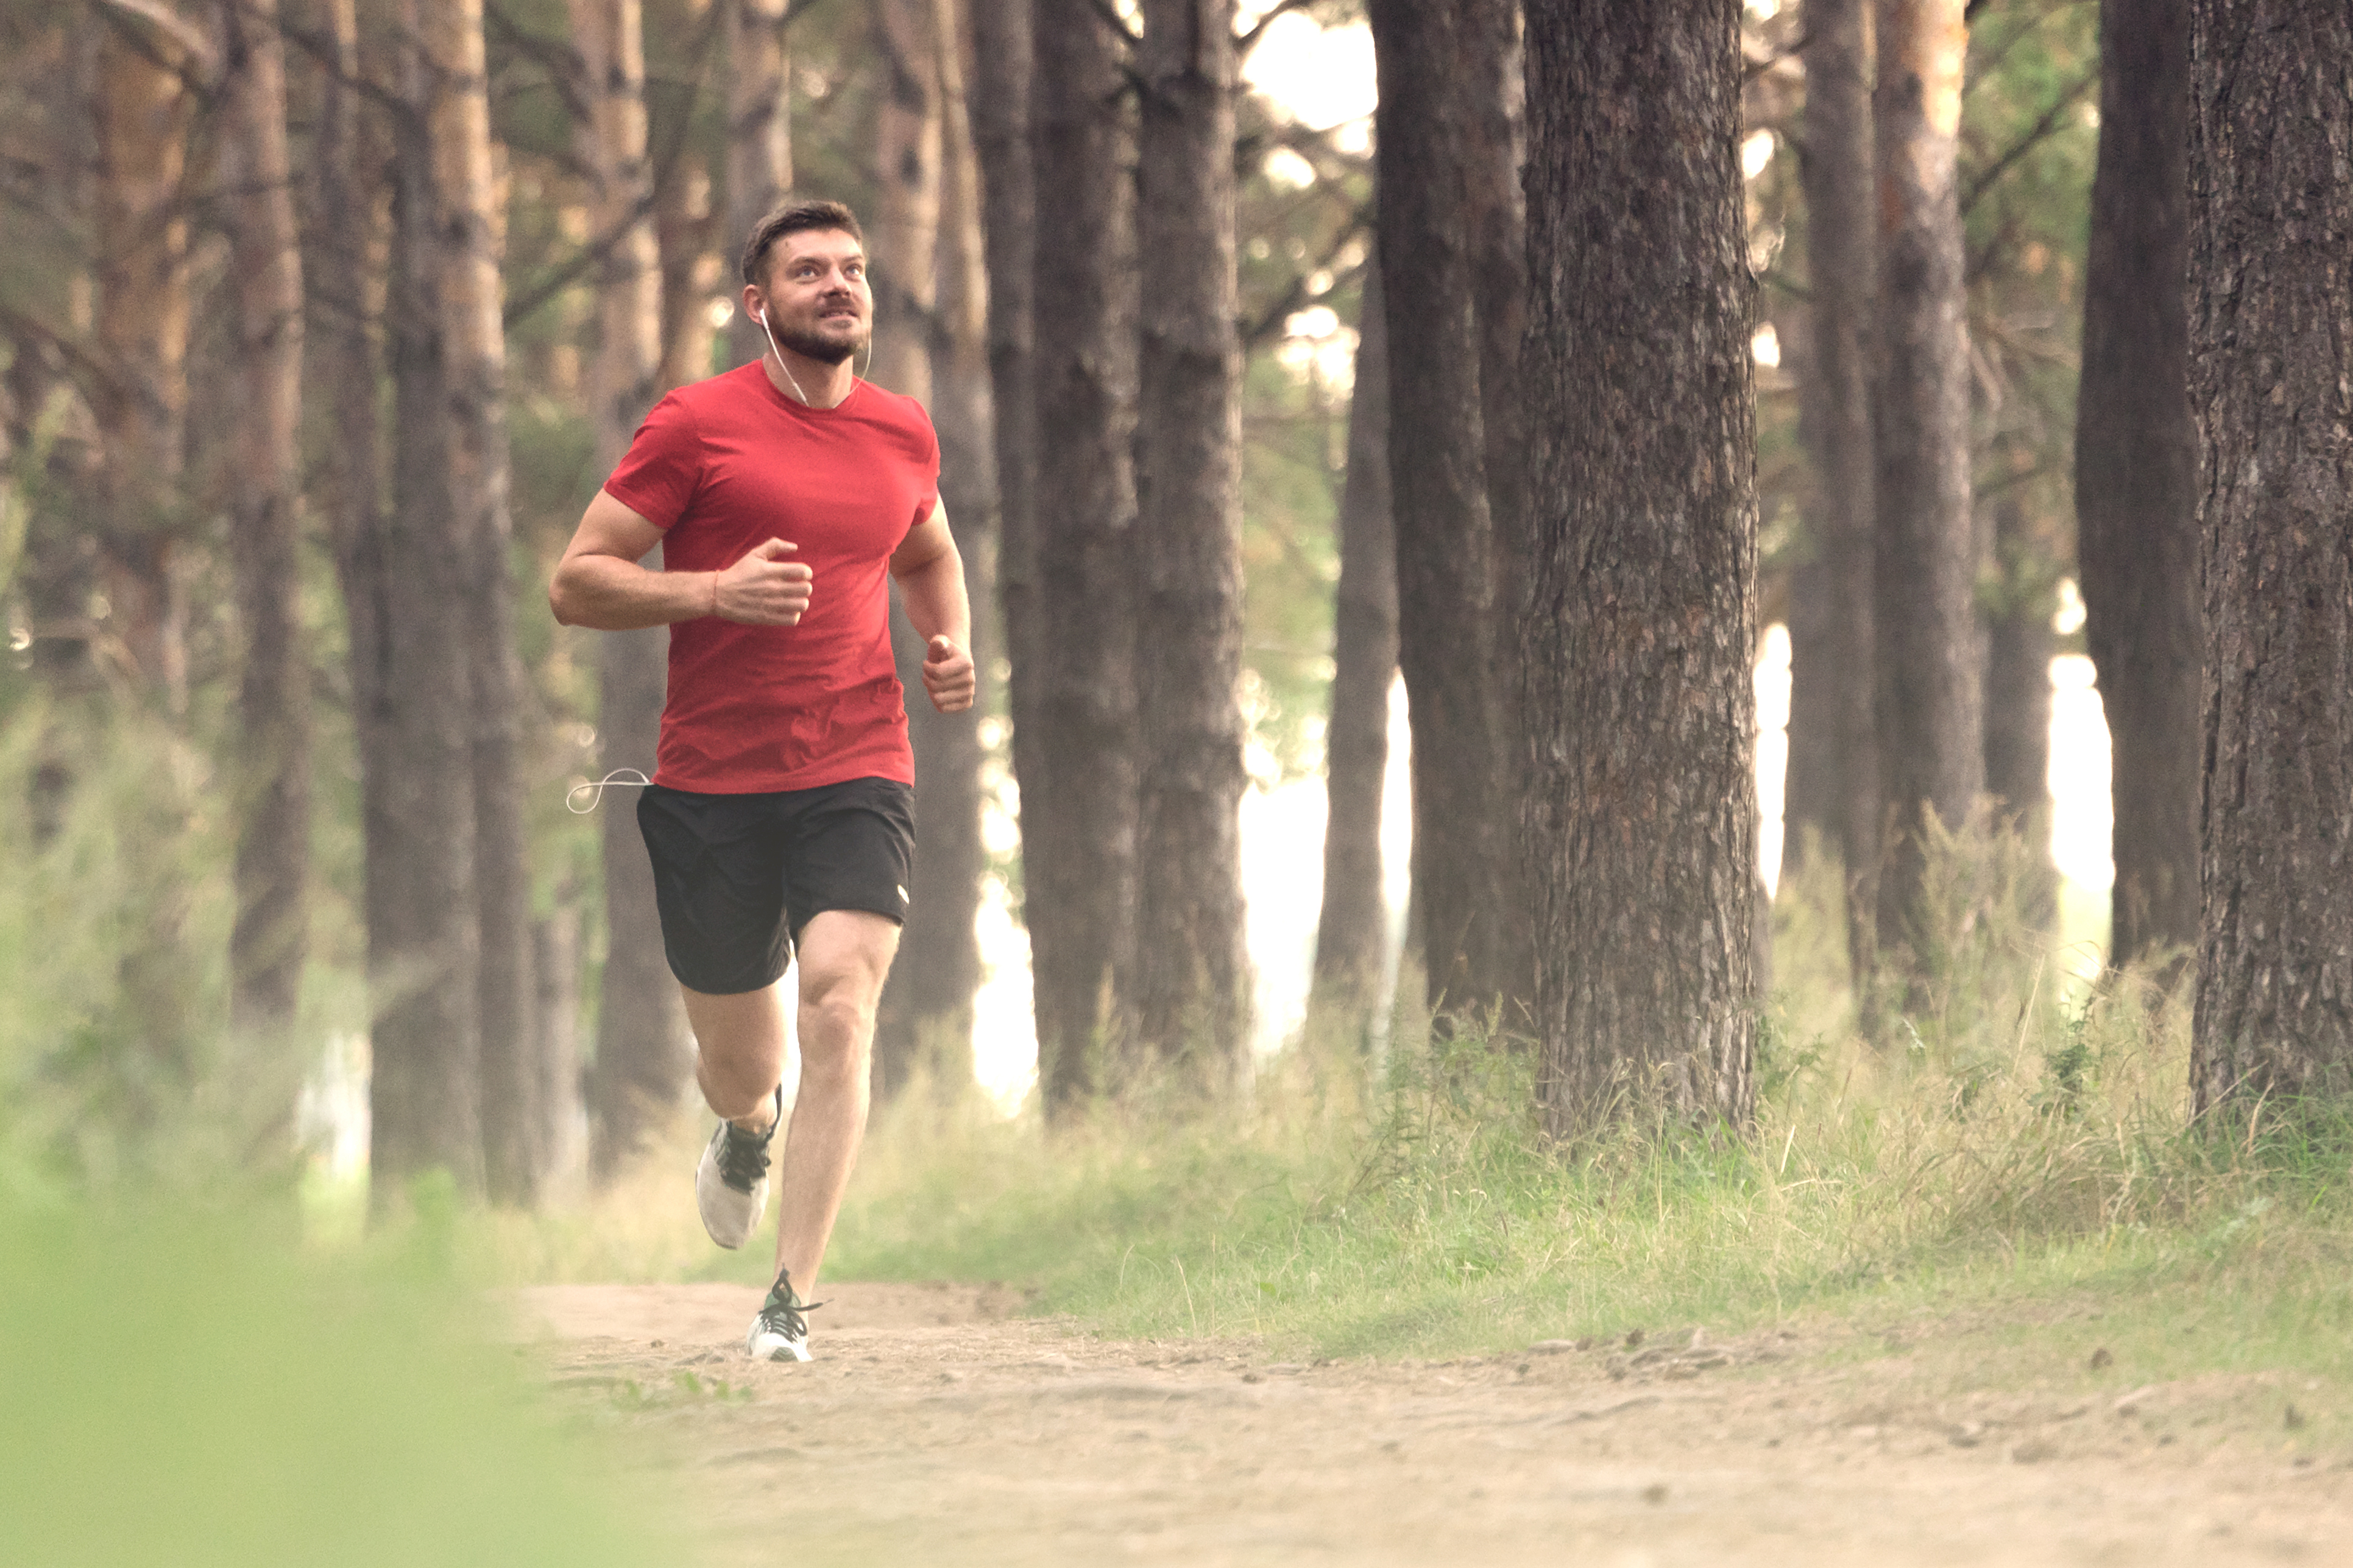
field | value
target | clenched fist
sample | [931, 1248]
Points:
[762, 589]
[948, 675]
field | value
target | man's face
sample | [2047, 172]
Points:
[817, 300]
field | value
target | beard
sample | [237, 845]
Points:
[823, 351]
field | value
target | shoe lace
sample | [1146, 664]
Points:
[744, 1156]
[784, 1310]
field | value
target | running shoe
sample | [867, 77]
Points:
[731, 1186]
[781, 1331]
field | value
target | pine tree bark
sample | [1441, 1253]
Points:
[1447, 622]
[643, 1055]
[343, 270]
[407, 583]
[1833, 777]
[1193, 976]
[1495, 78]
[2135, 473]
[1001, 84]
[759, 139]
[142, 326]
[1002, 70]
[1930, 692]
[474, 367]
[926, 1014]
[1078, 813]
[1641, 714]
[2020, 644]
[270, 939]
[685, 235]
[2271, 357]
[906, 220]
[1352, 931]
[909, 143]
[57, 573]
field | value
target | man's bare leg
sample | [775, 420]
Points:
[844, 956]
[740, 1054]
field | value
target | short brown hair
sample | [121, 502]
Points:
[794, 218]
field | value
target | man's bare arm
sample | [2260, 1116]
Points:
[599, 582]
[931, 584]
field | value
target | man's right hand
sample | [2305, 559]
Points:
[762, 589]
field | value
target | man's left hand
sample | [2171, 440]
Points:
[948, 675]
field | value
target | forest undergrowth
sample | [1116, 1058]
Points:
[2022, 1152]
[2022, 1149]
[189, 1377]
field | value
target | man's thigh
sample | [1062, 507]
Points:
[845, 956]
[851, 848]
[719, 880]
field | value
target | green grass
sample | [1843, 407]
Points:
[2021, 1160]
[2024, 1152]
[2018, 1170]
[192, 1387]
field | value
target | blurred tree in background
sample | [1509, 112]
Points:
[320, 321]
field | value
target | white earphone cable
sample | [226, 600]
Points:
[595, 791]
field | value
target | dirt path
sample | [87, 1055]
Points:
[935, 1427]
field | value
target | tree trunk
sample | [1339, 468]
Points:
[58, 572]
[143, 333]
[1193, 977]
[2020, 644]
[405, 583]
[2271, 357]
[1930, 704]
[1446, 619]
[1642, 707]
[1833, 755]
[926, 1014]
[684, 227]
[1001, 83]
[1494, 79]
[267, 944]
[759, 140]
[2135, 473]
[904, 238]
[1352, 931]
[1078, 813]
[474, 365]
[906, 222]
[642, 1054]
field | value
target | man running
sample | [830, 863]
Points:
[781, 817]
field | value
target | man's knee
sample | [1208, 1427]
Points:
[838, 1012]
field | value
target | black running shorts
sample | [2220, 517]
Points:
[737, 875]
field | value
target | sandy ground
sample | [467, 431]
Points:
[936, 1427]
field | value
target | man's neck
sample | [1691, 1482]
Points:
[808, 381]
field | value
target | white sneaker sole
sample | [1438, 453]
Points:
[729, 1216]
[773, 1347]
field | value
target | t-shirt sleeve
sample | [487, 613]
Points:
[657, 478]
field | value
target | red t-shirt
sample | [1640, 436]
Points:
[722, 466]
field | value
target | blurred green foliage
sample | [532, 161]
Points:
[182, 1386]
